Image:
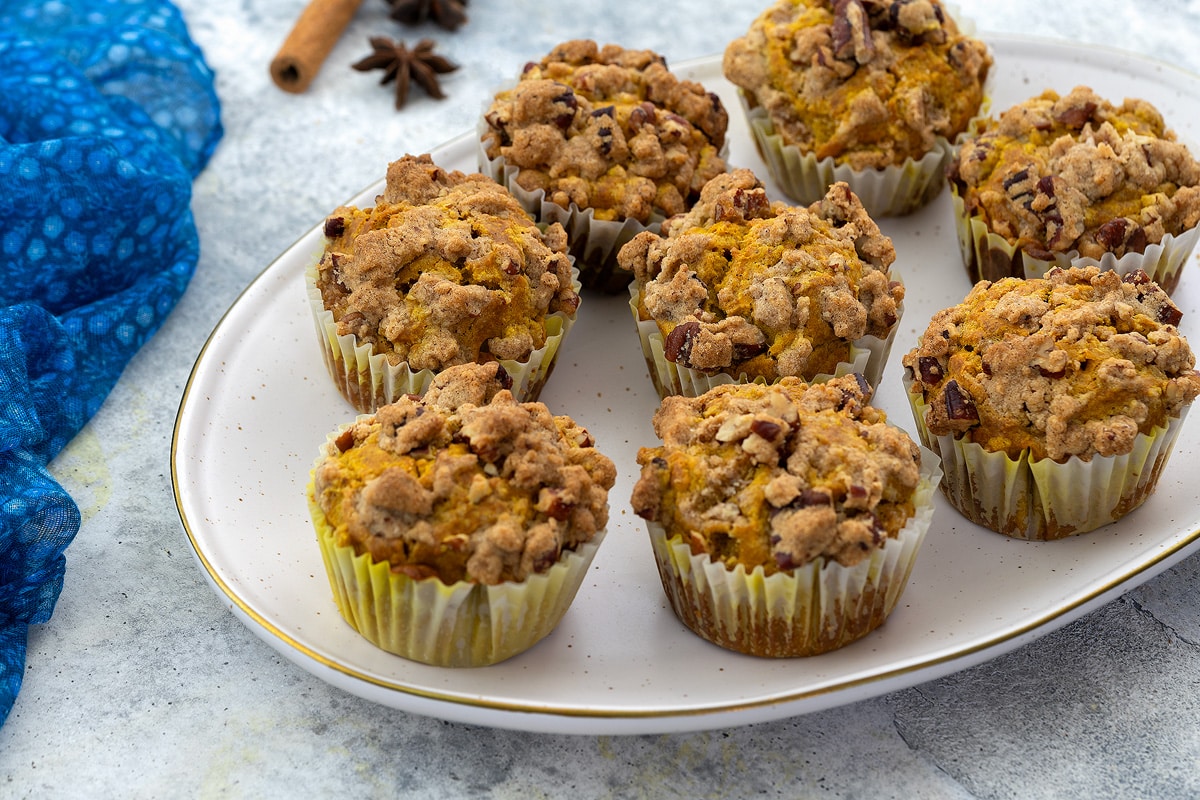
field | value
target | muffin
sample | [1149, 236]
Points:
[606, 141]
[456, 528]
[785, 518]
[861, 91]
[1075, 181]
[1053, 402]
[742, 289]
[446, 268]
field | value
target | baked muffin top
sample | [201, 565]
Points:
[1056, 174]
[608, 129]
[743, 285]
[865, 82]
[1073, 364]
[446, 268]
[778, 475]
[465, 483]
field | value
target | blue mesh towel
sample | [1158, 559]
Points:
[107, 113]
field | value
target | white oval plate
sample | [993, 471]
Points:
[259, 402]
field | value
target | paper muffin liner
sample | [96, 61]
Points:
[810, 610]
[890, 191]
[1043, 499]
[463, 624]
[368, 380]
[989, 256]
[868, 356]
[593, 242]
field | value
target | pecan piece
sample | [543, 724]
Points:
[335, 227]
[1169, 313]
[959, 405]
[851, 32]
[1077, 116]
[1112, 233]
[678, 344]
[766, 429]
[931, 370]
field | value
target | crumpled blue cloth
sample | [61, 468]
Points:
[107, 113]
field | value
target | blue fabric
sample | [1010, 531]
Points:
[107, 113]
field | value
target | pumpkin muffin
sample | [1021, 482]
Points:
[743, 289]
[446, 268]
[606, 141]
[456, 528]
[1053, 402]
[1075, 180]
[863, 91]
[785, 518]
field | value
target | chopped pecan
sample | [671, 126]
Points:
[959, 405]
[931, 370]
[851, 31]
[678, 344]
[1076, 116]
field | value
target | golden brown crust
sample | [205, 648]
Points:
[445, 269]
[608, 129]
[743, 285]
[1073, 364]
[485, 492]
[866, 82]
[1057, 174]
[778, 475]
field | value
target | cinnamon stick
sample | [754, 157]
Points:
[312, 37]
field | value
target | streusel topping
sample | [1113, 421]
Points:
[865, 82]
[445, 269]
[609, 129]
[743, 285]
[778, 475]
[1073, 364]
[1077, 173]
[446, 486]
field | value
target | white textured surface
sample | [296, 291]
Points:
[143, 685]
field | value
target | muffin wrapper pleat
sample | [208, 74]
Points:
[989, 256]
[1043, 499]
[886, 192]
[868, 356]
[803, 612]
[463, 624]
[368, 380]
[593, 242]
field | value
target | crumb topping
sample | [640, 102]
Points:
[446, 268]
[1056, 174]
[1073, 364]
[865, 82]
[609, 129]
[743, 285]
[778, 475]
[446, 486]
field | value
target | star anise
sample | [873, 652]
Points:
[447, 13]
[404, 66]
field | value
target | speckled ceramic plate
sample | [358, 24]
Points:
[249, 427]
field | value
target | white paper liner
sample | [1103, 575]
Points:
[593, 242]
[1045, 500]
[868, 356]
[890, 191]
[368, 380]
[463, 624]
[810, 610]
[989, 256]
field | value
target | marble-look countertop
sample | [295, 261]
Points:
[143, 685]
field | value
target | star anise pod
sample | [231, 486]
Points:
[404, 66]
[447, 13]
